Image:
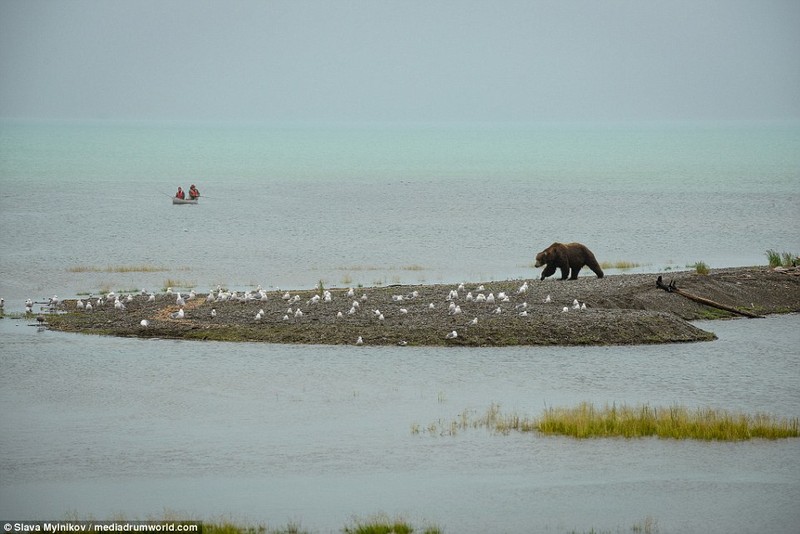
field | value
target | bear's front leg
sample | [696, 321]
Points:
[549, 270]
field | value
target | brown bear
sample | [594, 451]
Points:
[570, 256]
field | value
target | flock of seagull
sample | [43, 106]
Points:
[454, 300]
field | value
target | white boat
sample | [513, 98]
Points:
[176, 200]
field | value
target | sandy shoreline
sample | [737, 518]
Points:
[619, 309]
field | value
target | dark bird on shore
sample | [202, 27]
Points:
[40, 318]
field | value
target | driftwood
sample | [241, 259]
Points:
[672, 288]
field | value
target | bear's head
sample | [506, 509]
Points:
[548, 255]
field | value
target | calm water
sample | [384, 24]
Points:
[288, 207]
[277, 433]
[270, 433]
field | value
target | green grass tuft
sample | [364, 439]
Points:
[700, 268]
[587, 421]
[781, 259]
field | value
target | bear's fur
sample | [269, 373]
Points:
[569, 256]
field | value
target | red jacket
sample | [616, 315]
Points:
[180, 194]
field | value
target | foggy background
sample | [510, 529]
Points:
[372, 60]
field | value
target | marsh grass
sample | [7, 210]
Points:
[620, 265]
[781, 259]
[174, 282]
[587, 421]
[359, 268]
[700, 267]
[144, 268]
[383, 524]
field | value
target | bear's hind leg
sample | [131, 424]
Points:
[575, 271]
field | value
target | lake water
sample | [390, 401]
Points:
[272, 433]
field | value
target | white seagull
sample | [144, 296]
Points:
[213, 313]
[178, 314]
[359, 341]
[452, 335]
[145, 323]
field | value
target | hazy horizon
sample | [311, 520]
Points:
[370, 61]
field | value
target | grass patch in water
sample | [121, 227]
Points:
[620, 265]
[144, 268]
[587, 421]
[382, 524]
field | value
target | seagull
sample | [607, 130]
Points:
[169, 291]
[403, 311]
[523, 313]
[490, 298]
[129, 298]
[402, 343]
[359, 341]
[286, 296]
[498, 310]
[78, 304]
[145, 323]
[88, 306]
[583, 306]
[179, 301]
[209, 298]
[461, 287]
[258, 316]
[285, 317]
[213, 313]
[451, 335]
[298, 314]
[397, 298]
[178, 314]
[565, 309]
[380, 317]
[339, 315]
[474, 321]
[352, 310]
[480, 287]
[364, 297]
[351, 293]
[152, 297]
[469, 297]
[523, 305]
[431, 306]
[480, 298]
[547, 299]
[576, 304]
[523, 288]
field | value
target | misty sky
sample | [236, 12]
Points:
[373, 60]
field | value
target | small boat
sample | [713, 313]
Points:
[176, 200]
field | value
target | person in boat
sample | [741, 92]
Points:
[193, 192]
[180, 194]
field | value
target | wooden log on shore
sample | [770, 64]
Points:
[672, 288]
